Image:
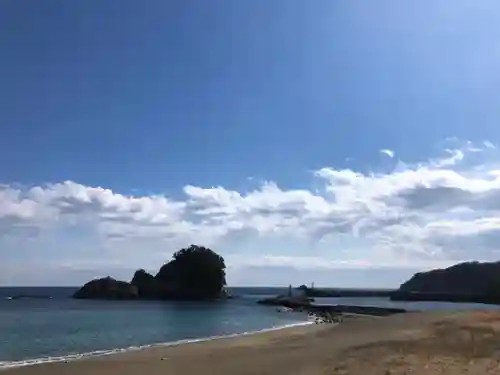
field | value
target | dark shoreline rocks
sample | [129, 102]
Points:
[343, 292]
[306, 304]
[286, 301]
[355, 309]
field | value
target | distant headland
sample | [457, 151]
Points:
[472, 282]
[469, 282]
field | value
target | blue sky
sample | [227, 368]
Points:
[129, 130]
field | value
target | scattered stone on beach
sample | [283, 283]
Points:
[330, 318]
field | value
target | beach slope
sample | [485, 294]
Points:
[413, 343]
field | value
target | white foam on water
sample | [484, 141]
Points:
[99, 353]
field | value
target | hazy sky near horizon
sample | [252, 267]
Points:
[350, 143]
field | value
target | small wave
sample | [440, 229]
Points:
[99, 353]
[24, 297]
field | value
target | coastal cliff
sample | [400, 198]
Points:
[463, 282]
[194, 273]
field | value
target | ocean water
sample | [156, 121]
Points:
[35, 328]
[39, 329]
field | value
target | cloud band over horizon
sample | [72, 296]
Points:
[433, 213]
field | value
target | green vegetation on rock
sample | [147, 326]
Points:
[194, 273]
[463, 282]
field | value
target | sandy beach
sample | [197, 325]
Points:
[414, 343]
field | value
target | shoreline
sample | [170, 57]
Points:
[448, 343]
[7, 365]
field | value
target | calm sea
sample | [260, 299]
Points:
[33, 330]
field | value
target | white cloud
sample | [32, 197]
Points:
[432, 213]
[488, 144]
[387, 152]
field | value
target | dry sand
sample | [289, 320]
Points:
[416, 343]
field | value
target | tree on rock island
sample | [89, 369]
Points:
[196, 272]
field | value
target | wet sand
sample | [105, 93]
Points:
[413, 343]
